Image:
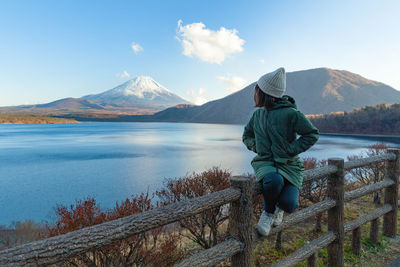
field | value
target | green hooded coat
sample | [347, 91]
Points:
[272, 134]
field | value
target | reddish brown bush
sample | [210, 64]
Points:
[145, 249]
[195, 185]
[83, 214]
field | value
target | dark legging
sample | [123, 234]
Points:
[279, 191]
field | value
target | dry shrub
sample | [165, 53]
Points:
[314, 191]
[202, 228]
[146, 249]
[371, 173]
[19, 233]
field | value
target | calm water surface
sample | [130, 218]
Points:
[45, 165]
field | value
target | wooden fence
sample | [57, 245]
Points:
[239, 246]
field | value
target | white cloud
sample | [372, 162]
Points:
[262, 61]
[124, 74]
[136, 47]
[198, 97]
[208, 45]
[234, 83]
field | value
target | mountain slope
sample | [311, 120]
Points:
[140, 92]
[316, 91]
[325, 90]
[235, 108]
[71, 103]
[58, 107]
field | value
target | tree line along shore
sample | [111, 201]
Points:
[32, 119]
[381, 119]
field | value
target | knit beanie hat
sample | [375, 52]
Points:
[273, 83]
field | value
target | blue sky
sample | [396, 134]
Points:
[55, 49]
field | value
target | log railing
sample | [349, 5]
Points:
[239, 246]
[334, 204]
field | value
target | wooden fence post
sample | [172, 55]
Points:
[356, 241]
[241, 221]
[278, 241]
[336, 214]
[391, 195]
[312, 261]
[374, 230]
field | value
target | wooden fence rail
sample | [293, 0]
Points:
[243, 235]
[60, 248]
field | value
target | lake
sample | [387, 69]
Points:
[49, 164]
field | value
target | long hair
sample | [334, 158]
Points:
[262, 99]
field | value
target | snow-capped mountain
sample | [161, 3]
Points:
[140, 92]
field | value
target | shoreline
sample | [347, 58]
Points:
[361, 135]
[31, 119]
[52, 120]
[29, 123]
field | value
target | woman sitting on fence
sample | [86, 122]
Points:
[271, 133]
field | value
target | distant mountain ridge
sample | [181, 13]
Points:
[140, 95]
[71, 103]
[316, 91]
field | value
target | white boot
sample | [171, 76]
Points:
[265, 222]
[278, 216]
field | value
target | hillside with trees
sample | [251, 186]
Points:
[383, 119]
